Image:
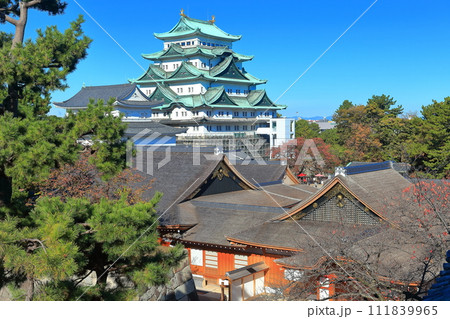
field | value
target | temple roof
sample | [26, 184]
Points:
[440, 290]
[214, 97]
[125, 95]
[225, 71]
[176, 51]
[179, 176]
[134, 128]
[189, 27]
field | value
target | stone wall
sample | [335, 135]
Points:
[180, 287]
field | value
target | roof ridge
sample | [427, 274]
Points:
[188, 67]
[222, 66]
[197, 20]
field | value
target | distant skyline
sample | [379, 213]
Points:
[399, 48]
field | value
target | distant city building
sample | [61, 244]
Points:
[197, 82]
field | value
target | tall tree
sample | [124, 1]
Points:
[306, 129]
[311, 156]
[430, 147]
[29, 72]
[16, 13]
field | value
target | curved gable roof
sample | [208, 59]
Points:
[104, 92]
[188, 26]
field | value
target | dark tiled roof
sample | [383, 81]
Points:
[176, 179]
[380, 190]
[215, 222]
[386, 251]
[269, 196]
[134, 128]
[294, 235]
[440, 290]
[247, 270]
[120, 92]
[262, 174]
[288, 194]
[399, 167]
[219, 215]
[104, 92]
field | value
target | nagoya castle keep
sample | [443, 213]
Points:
[196, 88]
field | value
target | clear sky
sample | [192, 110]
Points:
[400, 47]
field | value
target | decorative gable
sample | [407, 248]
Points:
[265, 101]
[222, 99]
[173, 50]
[159, 95]
[228, 69]
[221, 180]
[136, 95]
[181, 27]
[338, 205]
[182, 72]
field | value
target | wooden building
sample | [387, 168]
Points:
[252, 227]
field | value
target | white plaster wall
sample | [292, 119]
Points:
[188, 89]
[283, 130]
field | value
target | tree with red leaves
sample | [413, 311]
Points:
[311, 156]
[397, 259]
[83, 180]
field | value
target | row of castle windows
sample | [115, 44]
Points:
[209, 44]
[238, 91]
[176, 65]
[190, 89]
[209, 113]
[227, 128]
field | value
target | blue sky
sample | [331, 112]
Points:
[400, 47]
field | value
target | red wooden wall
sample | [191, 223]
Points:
[274, 277]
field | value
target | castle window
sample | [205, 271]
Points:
[244, 114]
[238, 91]
[252, 113]
[235, 113]
[228, 128]
[196, 257]
[236, 127]
[244, 127]
[240, 261]
[189, 43]
[219, 128]
[211, 259]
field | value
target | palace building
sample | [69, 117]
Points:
[197, 82]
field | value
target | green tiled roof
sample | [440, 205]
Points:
[187, 26]
[176, 51]
[226, 71]
[214, 97]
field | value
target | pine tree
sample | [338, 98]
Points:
[47, 245]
